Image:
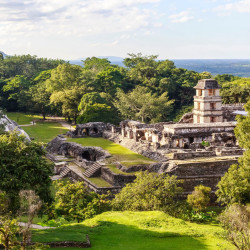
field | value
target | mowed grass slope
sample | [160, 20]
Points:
[118, 152]
[139, 231]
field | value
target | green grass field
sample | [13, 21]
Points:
[139, 231]
[45, 131]
[42, 131]
[118, 152]
[22, 118]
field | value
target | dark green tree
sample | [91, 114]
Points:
[23, 166]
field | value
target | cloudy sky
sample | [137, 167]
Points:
[180, 29]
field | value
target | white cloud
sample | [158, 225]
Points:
[75, 17]
[238, 6]
[181, 17]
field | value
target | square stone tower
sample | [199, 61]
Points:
[207, 102]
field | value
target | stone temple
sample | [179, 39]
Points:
[198, 149]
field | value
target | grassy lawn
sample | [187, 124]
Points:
[42, 131]
[45, 131]
[22, 118]
[139, 231]
[118, 152]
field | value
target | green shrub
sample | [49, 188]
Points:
[199, 198]
[205, 143]
[148, 192]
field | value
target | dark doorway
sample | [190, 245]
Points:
[86, 156]
[191, 140]
[95, 130]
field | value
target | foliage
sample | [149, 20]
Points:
[66, 89]
[242, 130]
[23, 166]
[199, 199]
[205, 143]
[74, 202]
[148, 192]
[4, 203]
[180, 112]
[94, 107]
[237, 91]
[235, 184]
[236, 219]
[8, 230]
[203, 217]
[142, 104]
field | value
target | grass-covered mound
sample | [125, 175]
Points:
[139, 230]
[118, 152]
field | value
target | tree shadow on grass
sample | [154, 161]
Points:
[110, 235]
[114, 236]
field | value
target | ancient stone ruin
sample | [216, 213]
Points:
[199, 149]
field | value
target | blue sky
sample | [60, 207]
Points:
[71, 29]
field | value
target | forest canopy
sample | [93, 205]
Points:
[145, 89]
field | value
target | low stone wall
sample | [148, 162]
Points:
[229, 151]
[218, 167]
[189, 183]
[116, 179]
[190, 155]
[155, 167]
[200, 173]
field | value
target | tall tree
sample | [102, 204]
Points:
[66, 89]
[142, 104]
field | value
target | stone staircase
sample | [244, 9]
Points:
[92, 170]
[64, 172]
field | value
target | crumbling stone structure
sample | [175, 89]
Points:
[206, 133]
[70, 149]
[94, 129]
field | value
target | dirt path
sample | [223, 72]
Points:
[34, 226]
[66, 125]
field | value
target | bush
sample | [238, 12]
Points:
[205, 143]
[75, 202]
[199, 199]
[235, 219]
[148, 192]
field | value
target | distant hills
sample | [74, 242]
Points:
[237, 67]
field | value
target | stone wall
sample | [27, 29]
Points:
[199, 173]
[189, 155]
[116, 179]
